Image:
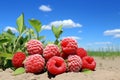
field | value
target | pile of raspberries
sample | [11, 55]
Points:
[68, 57]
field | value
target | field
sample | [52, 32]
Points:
[108, 67]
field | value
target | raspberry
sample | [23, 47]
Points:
[56, 65]
[34, 63]
[63, 55]
[50, 51]
[18, 59]
[81, 52]
[69, 45]
[88, 63]
[74, 63]
[34, 47]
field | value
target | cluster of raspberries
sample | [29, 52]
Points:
[56, 60]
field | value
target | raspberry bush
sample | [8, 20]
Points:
[30, 52]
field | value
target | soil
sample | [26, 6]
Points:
[107, 69]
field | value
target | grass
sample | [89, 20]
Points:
[104, 53]
[109, 51]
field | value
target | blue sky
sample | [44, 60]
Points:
[93, 23]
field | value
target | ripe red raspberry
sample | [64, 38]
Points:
[18, 59]
[81, 52]
[34, 63]
[74, 63]
[56, 65]
[69, 45]
[63, 55]
[88, 63]
[50, 51]
[34, 47]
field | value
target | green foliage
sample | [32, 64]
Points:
[57, 32]
[87, 71]
[20, 23]
[3, 41]
[18, 71]
[36, 24]
[109, 51]
[6, 55]
[5, 63]
[104, 54]
[6, 42]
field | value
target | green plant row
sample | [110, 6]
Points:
[104, 53]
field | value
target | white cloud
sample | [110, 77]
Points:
[117, 36]
[74, 37]
[115, 33]
[66, 23]
[48, 27]
[11, 28]
[45, 8]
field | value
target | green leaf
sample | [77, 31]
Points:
[7, 63]
[18, 71]
[36, 24]
[87, 71]
[3, 41]
[41, 37]
[54, 29]
[10, 32]
[10, 37]
[57, 31]
[6, 55]
[20, 23]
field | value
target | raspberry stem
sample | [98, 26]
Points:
[18, 40]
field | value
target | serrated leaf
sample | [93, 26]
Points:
[87, 71]
[18, 71]
[36, 24]
[57, 31]
[6, 55]
[11, 37]
[20, 23]
[5, 62]
[54, 29]
[3, 41]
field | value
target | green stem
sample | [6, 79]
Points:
[56, 41]
[29, 35]
[18, 40]
[37, 36]
[4, 49]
